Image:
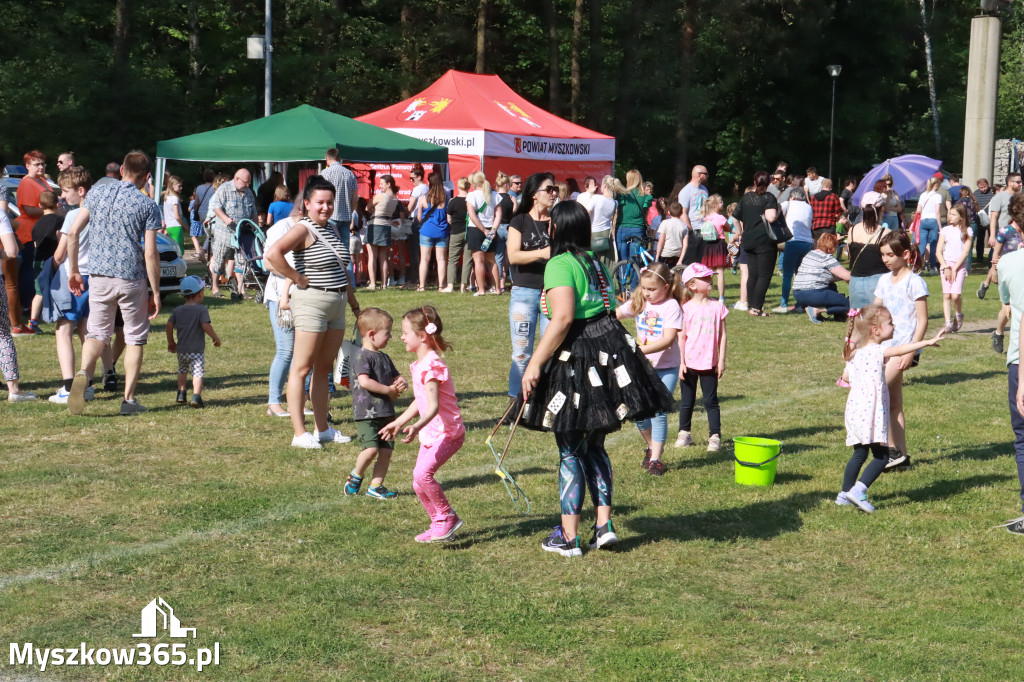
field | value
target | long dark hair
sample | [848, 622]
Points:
[570, 233]
[530, 187]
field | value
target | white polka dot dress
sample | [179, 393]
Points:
[867, 407]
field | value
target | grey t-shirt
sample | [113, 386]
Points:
[1001, 202]
[189, 319]
[692, 200]
[377, 366]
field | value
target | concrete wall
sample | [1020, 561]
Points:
[1002, 162]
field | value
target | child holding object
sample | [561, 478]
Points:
[378, 384]
[440, 423]
[703, 346]
[192, 321]
[867, 406]
[655, 305]
[953, 249]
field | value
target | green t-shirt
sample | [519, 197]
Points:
[565, 271]
[634, 208]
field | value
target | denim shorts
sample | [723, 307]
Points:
[433, 242]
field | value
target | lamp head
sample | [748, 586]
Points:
[834, 70]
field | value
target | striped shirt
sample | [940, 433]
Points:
[319, 261]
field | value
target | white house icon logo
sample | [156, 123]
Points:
[170, 621]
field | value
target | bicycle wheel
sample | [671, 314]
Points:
[623, 273]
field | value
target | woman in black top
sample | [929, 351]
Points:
[457, 246]
[761, 251]
[866, 266]
[528, 250]
[508, 206]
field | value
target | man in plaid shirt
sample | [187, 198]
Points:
[827, 209]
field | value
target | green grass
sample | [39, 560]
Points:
[253, 542]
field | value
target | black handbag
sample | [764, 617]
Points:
[778, 230]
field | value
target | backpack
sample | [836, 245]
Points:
[708, 232]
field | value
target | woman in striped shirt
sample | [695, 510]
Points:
[318, 306]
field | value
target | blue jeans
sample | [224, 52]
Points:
[433, 242]
[621, 235]
[862, 290]
[658, 426]
[284, 341]
[499, 250]
[791, 259]
[343, 228]
[1017, 422]
[831, 300]
[891, 220]
[930, 238]
[524, 317]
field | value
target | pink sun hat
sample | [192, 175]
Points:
[697, 271]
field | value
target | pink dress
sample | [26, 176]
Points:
[702, 325]
[867, 407]
[448, 421]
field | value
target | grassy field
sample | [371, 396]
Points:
[253, 543]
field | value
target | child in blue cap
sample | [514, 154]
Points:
[192, 321]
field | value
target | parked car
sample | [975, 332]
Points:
[172, 266]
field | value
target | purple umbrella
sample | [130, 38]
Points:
[909, 172]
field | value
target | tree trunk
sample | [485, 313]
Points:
[595, 77]
[931, 76]
[193, 45]
[554, 72]
[119, 74]
[406, 46]
[627, 75]
[481, 35]
[574, 65]
[685, 78]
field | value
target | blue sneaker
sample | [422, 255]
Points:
[353, 484]
[556, 542]
[379, 492]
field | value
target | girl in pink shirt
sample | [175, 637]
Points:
[655, 306]
[439, 425]
[703, 354]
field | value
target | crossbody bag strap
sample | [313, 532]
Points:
[337, 254]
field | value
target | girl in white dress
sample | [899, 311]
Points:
[867, 407]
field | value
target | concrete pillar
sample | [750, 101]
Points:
[982, 89]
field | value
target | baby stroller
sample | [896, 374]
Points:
[249, 242]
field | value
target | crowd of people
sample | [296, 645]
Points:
[91, 258]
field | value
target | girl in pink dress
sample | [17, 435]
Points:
[439, 425]
[867, 407]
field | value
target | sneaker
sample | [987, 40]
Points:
[897, 460]
[948, 327]
[721, 299]
[861, 500]
[332, 435]
[23, 330]
[683, 439]
[352, 485]
[381, 493]
[656, 468]
[425, 536]
[1015, 526]
[604, 536]
[646, 464]
[110, 381]
[181, 399]
[307, 441]
[556, 542]
[197, 402]
[842, 501]
[714, 443]
[997, 343]
[982, 290]
[76, 397]
[782, 310]
[60, 397]
[130, 407]
[22, 397]
[34, 326]
[812, 314]
[447, 528]
[90, 394]
[740, 305]
[958, 321]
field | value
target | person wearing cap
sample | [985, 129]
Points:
[192, 320]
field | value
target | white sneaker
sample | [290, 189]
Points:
[60, 397]
[307, 441]
[332, 435]
[842, 501]
[22, 397]
[781, 310]
[714, 443]
[860, 499]
[683, 439]
[740, 305]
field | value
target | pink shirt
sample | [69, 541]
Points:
[719, 221]
[448, 421]
[651, 324]
[703, 325]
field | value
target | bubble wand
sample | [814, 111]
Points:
[519, 498]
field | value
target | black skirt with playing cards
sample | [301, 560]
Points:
[597, 379]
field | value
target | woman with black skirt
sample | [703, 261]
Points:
[585, 378]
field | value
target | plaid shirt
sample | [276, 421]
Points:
[237, 205]
[345, 187]
[826, 210]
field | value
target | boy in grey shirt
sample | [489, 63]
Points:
[192, 321]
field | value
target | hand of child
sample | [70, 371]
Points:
[947, 272]
[682, 370]
[411, 432]
[389, 431]
[217, 343]
[401, 384]
[1020, 399]
[934, 341]
[171, 347]
[721, 368]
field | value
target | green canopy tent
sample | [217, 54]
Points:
[299, 134]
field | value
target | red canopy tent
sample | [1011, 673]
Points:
[486, 125]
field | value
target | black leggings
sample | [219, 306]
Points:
[873, 469]
[760, 267]
[688, 398]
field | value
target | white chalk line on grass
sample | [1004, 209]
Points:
[89, 561]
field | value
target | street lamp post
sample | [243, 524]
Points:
[833, 70]
[259, 47]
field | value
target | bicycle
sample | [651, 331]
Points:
[625, 272]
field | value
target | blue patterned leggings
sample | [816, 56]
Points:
[583, 458]
[8, 355]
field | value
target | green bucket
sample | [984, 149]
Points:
[756, 459]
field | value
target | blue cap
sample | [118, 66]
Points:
[191, 285]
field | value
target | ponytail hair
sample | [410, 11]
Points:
[421, 319]
[660, 274]
[479, 181]
[899, 242]
[858, 327]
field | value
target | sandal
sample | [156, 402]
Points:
[754, 312]
[420, 289]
